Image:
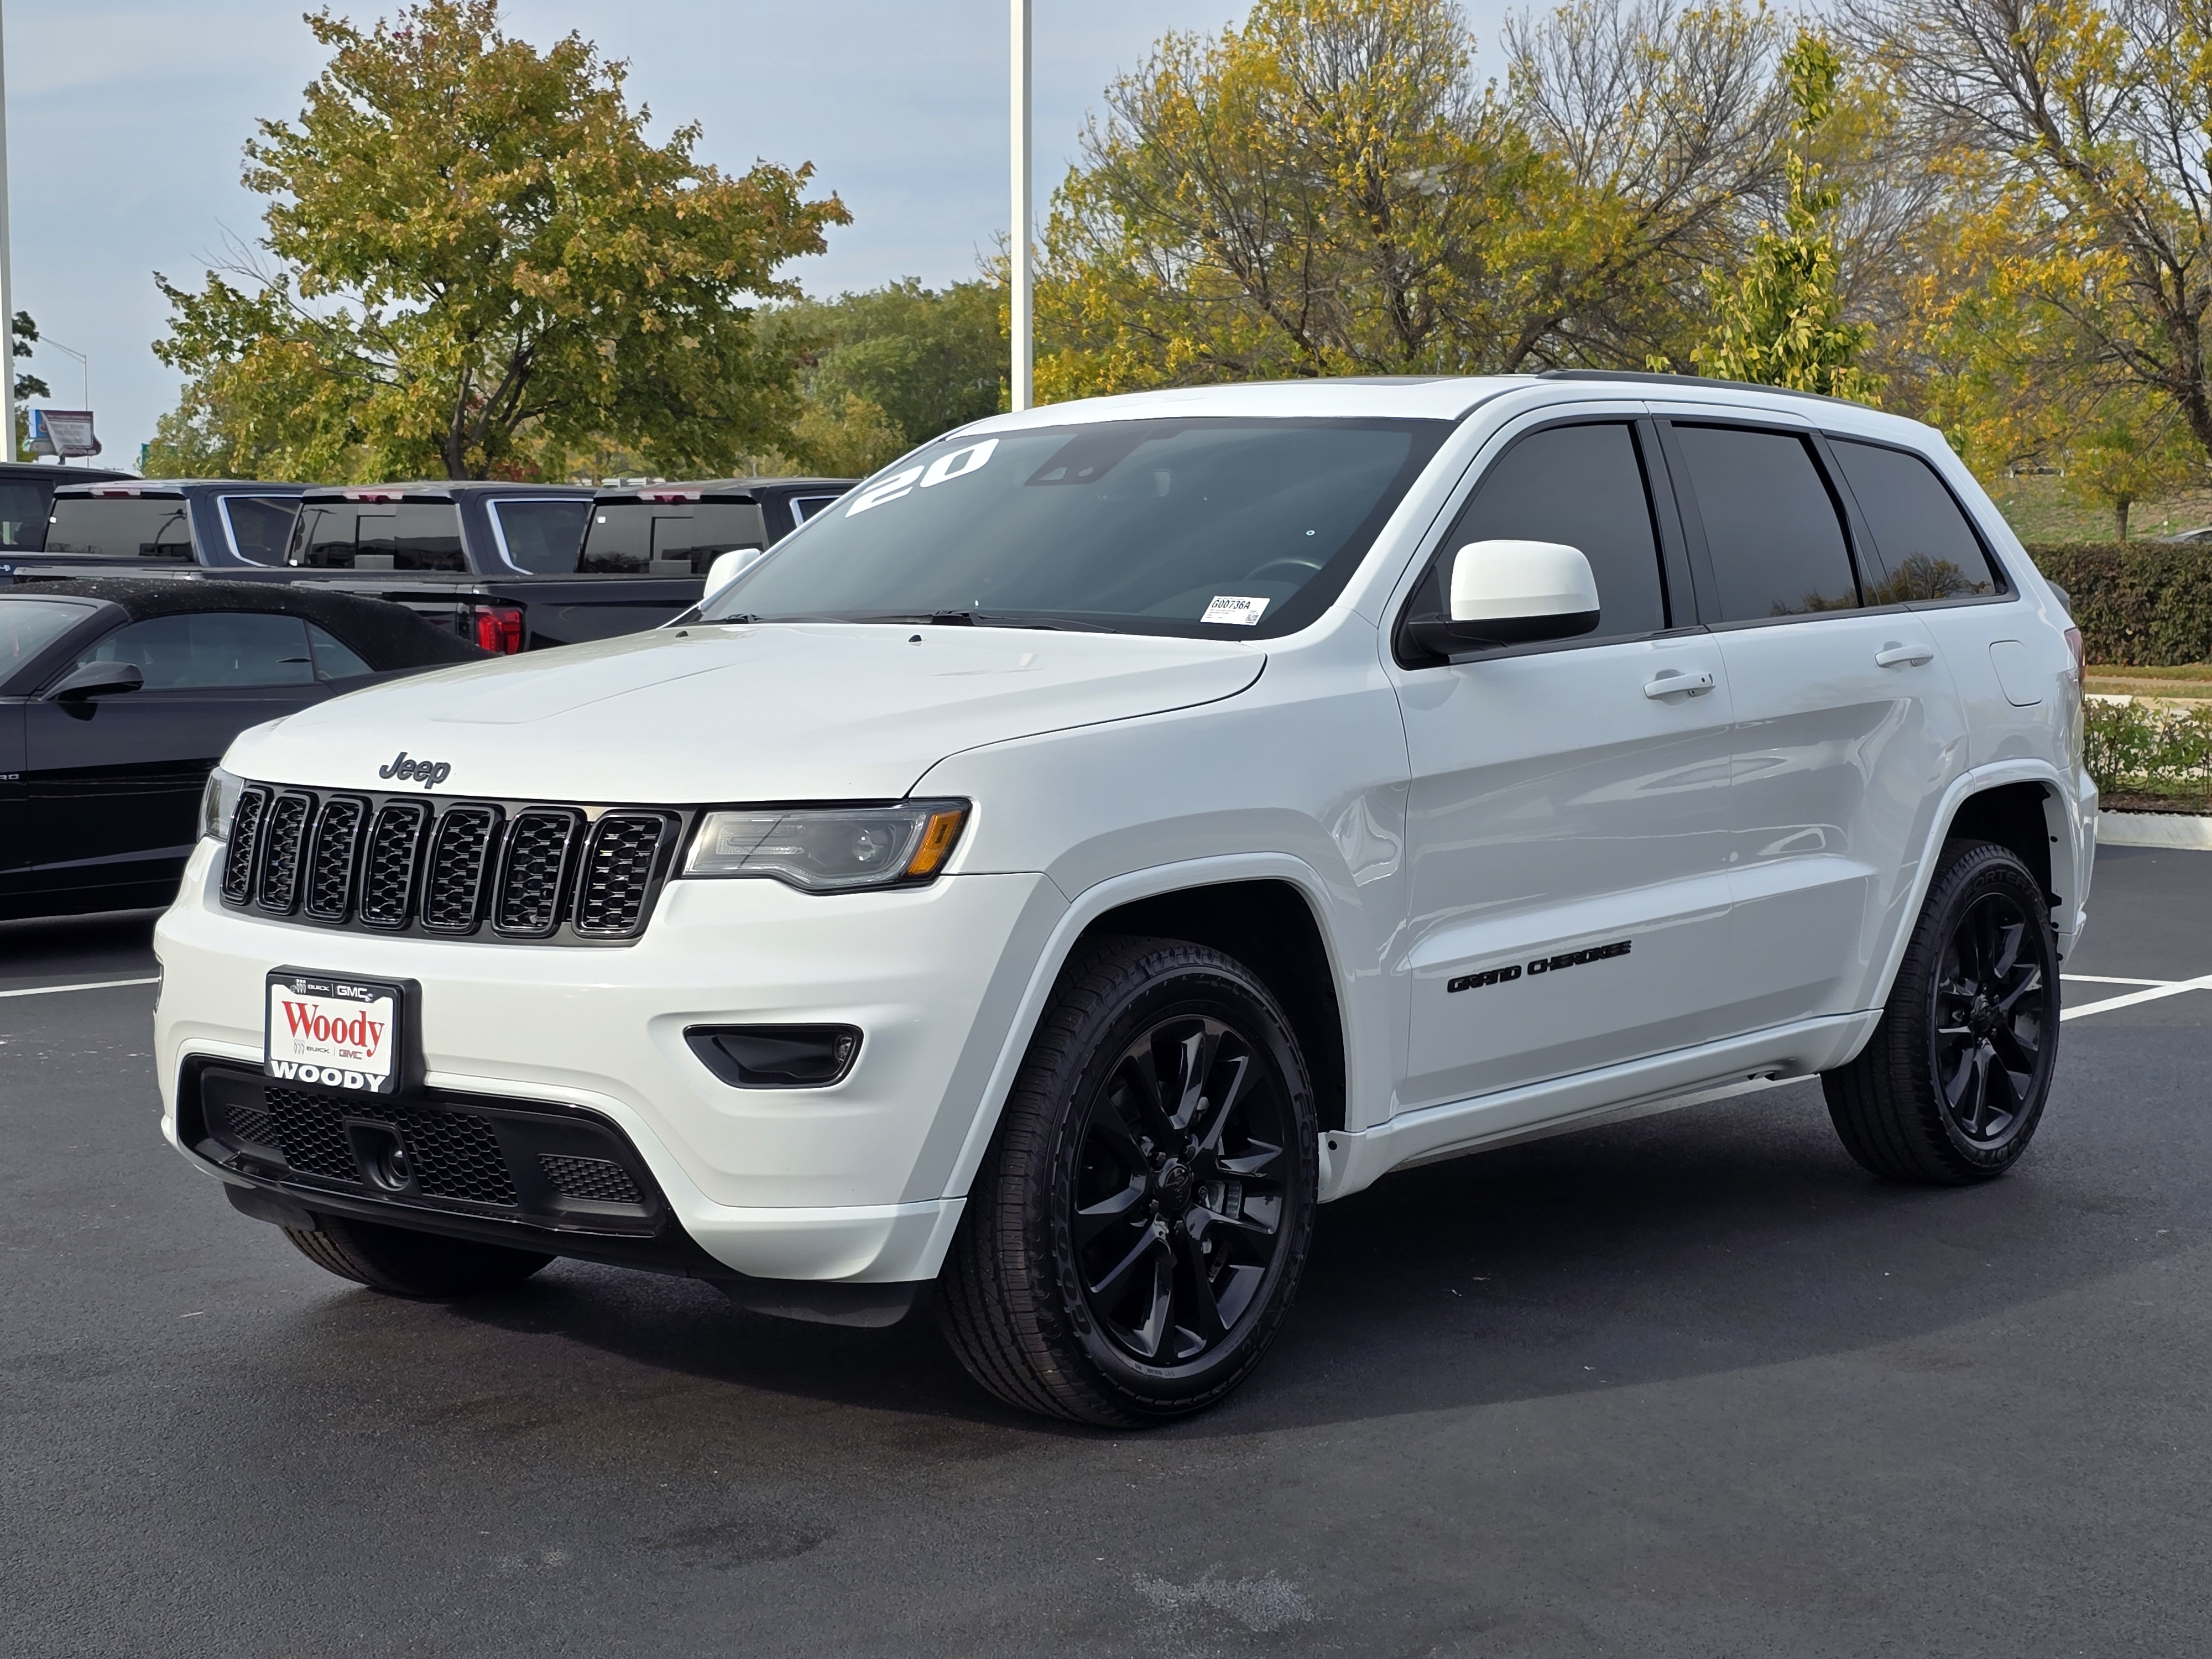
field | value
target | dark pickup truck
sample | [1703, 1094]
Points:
[510, 566]
[26, 489]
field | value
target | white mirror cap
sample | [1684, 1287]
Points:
[1498, 581]
[726, 569]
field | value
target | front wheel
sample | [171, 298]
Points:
[1136, 1234]
[1951, 1085]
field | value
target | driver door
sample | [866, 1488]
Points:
[1568, 829]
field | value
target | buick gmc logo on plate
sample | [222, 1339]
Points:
[402, 771]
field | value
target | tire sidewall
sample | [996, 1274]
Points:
[1173, 980]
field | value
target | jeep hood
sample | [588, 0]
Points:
[819, 711]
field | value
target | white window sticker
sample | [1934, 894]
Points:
[889, 489]
[959, 464]
[1242, 612]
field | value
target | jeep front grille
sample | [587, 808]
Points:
[470, 869]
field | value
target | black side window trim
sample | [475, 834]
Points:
[2007, 588]
[1674, 585]
[1858, 545]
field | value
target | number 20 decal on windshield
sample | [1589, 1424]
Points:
[955, 464]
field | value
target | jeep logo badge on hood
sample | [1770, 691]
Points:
[402, 771]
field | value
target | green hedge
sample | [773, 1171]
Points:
[2142, 605]
[2134, 750]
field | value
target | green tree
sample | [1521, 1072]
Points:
[1780, 321]
[1328, 190]
[2085, 227]
[471, 251]
[2130, 452]
[930, 359]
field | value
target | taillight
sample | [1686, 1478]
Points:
[499, 628]
[2080, 653]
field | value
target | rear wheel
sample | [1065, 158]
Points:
[1136, 1234]
[399, 1262]
[1950, 1087]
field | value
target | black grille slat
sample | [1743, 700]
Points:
[244, 842]
[395, 849]
[334, 860]
[283, 837]
[461, 849]
[533, 872]
[621, 863]
[598, 1179]
[403, 864]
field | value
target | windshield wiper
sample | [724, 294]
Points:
[961, 619]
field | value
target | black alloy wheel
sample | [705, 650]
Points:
[1179, 1190]
[1951, 1085]
[1992, 1012]
[1136, 1231]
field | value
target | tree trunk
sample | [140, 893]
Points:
[2120, 516]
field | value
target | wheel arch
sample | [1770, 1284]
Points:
[1269, 907]
[2024, 805]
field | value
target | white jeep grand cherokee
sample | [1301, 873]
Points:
[1119, 827]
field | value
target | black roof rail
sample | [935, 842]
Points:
[1647, 377]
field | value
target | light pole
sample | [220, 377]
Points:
[1018, 244]
[7, 288]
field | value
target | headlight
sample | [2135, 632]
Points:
[218, 803]
[829, 849]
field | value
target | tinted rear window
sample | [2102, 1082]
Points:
[1777, 546]
[1928, 549]
[624, 536]
[541, 537]
[120, 527]
[260, 526]
[413, 535]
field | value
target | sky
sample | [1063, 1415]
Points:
[125, 120]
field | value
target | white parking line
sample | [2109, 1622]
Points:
[2155, 989]
[2106, 979]
[92, 985]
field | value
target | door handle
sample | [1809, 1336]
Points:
[1674, 682]
[1894, 655]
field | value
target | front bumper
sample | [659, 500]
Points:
[843, 1183]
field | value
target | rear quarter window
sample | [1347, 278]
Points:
[1927, 546]
[260, 526]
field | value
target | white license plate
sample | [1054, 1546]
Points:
[331, 1032]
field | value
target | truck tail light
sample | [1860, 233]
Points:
[499, 628]
[2081, 656]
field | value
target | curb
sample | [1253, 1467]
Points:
[2173, 829]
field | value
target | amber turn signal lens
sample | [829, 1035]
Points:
[936, 842]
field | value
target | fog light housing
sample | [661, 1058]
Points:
[776, 1056]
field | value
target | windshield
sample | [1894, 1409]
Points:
[1206, 528]
[120, 527]
[29, 626]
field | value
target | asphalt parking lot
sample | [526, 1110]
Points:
[1692, 1386]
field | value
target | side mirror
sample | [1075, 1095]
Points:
[1511, 592]
[727, 568]
[89, 679]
